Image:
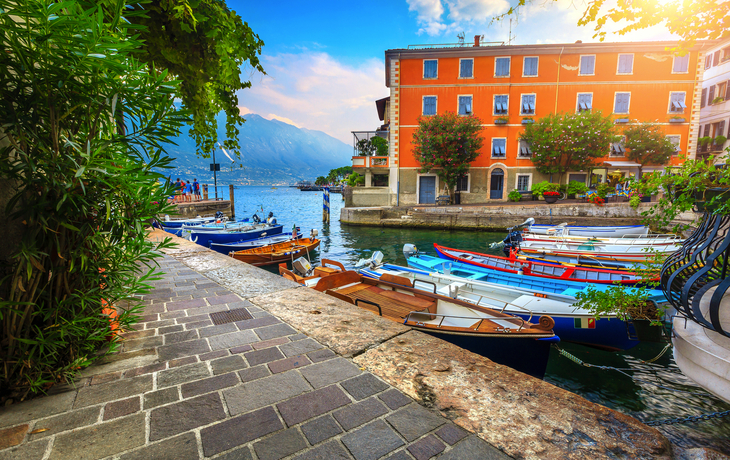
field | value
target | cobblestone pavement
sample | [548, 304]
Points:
[185, 388]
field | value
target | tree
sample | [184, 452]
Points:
[203, 44]
[569, 141]
[691, 20]
[447, 143]
[321, 180]
[78, 187]
[647, 144]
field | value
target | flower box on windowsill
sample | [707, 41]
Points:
[677, 120]
[621, 120]
[527, 121]
[501, 121]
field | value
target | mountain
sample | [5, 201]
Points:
[272, 153]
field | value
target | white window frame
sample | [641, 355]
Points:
[472, 104]
[577, 99]
[618, 64]
[519, 150]
[423, 104]
[628, 107]
[669, 105]
[472, 68]
[674, 58]
[534, 111]
[491, 150]
[423, 70]
[509, 67]
[418, 186]
[529, 180]
[523, 66]
[623, 145]
[468, 184]
[494, 105]
[580, 65]
[679, 143]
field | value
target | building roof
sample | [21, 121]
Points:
[380, 104]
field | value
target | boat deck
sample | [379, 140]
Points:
[394, 305]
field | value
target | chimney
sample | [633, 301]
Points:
[476, 40]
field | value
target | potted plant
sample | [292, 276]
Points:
[676, 119]
[596, 199]
[718, 99]
[576, 188]
[719, 141]
[703, 141]
[551, 196]
[514, 195]
[635, 199]
[501, 120]
[539, 188]
[528, 120]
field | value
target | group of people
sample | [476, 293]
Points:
[189, 191]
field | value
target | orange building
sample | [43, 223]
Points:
[510, 86]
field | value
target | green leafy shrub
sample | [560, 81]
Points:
[719, 140]
[82, 125]
[603, 190]
[635, 201]
[539, 188]
[576, 188]
[514, 195]
[355, 179]
[381, 146]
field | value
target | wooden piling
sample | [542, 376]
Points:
[230, 197]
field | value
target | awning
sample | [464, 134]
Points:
[380, 104]
[621, 164]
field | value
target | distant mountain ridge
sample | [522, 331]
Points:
[272, 153]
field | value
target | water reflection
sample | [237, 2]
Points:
[639, 392]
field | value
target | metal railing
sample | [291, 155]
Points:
[453, 45]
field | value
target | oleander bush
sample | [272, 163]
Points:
[82, 125]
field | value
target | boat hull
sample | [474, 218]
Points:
[509, 352]
[225, 248]
[207, 238]
[276, 253]
[579, 230]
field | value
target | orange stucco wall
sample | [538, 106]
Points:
[650, 85]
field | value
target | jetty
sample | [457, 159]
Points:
[231, 361]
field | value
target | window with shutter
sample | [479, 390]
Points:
[465, 105]
[430, 68]
[499, 148]
[466, 69]
[585, 102]
[523, 183]
[720, 131]
[462, 184]
[625, 63]
[716, 58]
[703, 98]
[727, 90]
[501, 67]
[676, 102]
[529, 68]
[429, 105]
[525, 149]
[681, 64]
[587, 65]
[621, 103]
[708, 61]
[710, 94]
[527, 107]
[675, 140]
[707, 130]
[501, 104]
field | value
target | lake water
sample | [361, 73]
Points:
[655, 391]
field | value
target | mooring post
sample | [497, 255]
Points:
[230, 193]
[205, 192]
[326, 205]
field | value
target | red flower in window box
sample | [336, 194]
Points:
[550, 193]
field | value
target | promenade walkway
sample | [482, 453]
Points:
[209, 374]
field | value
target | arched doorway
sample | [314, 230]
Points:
[496, 184]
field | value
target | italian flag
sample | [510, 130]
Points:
[584, 323]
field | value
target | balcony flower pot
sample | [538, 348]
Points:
[677, 120]
[621, 120]
[527, 121]
[501, 121]
[551, 197]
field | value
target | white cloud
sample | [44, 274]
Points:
[460, 14]
[314, 90]
[475, 10]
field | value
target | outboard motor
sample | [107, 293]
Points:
[410, 250]
[302, 267]
[256, 219]
[219, 215]
[313, 234]
[376, 259]
[271, 219]
[512, 241]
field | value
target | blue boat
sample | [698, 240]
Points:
[206, 238]
[225, 248]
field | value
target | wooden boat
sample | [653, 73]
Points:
[277, 252]
[475, 272]
[621, 241]
[206, 238]
[572, 324]
[543, 270]
[581, 230]
[631, 256]
[503, 338]
[226, 248]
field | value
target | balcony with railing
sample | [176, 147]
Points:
[370, 149]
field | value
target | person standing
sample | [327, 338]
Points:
[176, 190]
[196, 189]
[182, 191]
[189, 190]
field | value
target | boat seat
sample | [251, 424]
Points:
[401, 297]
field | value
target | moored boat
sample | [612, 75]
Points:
[581, 230]
[503, 338]
[543, 270]
[225, 248]
[206, 238]
[572, 324]
[277, 252]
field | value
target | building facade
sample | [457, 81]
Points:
[714, 105]
[510, 86]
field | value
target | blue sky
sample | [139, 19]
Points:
[325, 60]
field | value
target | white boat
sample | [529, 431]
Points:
[626, 240]
[580, 230]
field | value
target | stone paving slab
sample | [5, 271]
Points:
[281, 385]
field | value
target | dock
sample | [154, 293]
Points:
[231, 361]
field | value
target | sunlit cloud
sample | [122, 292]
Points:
[314, 90]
